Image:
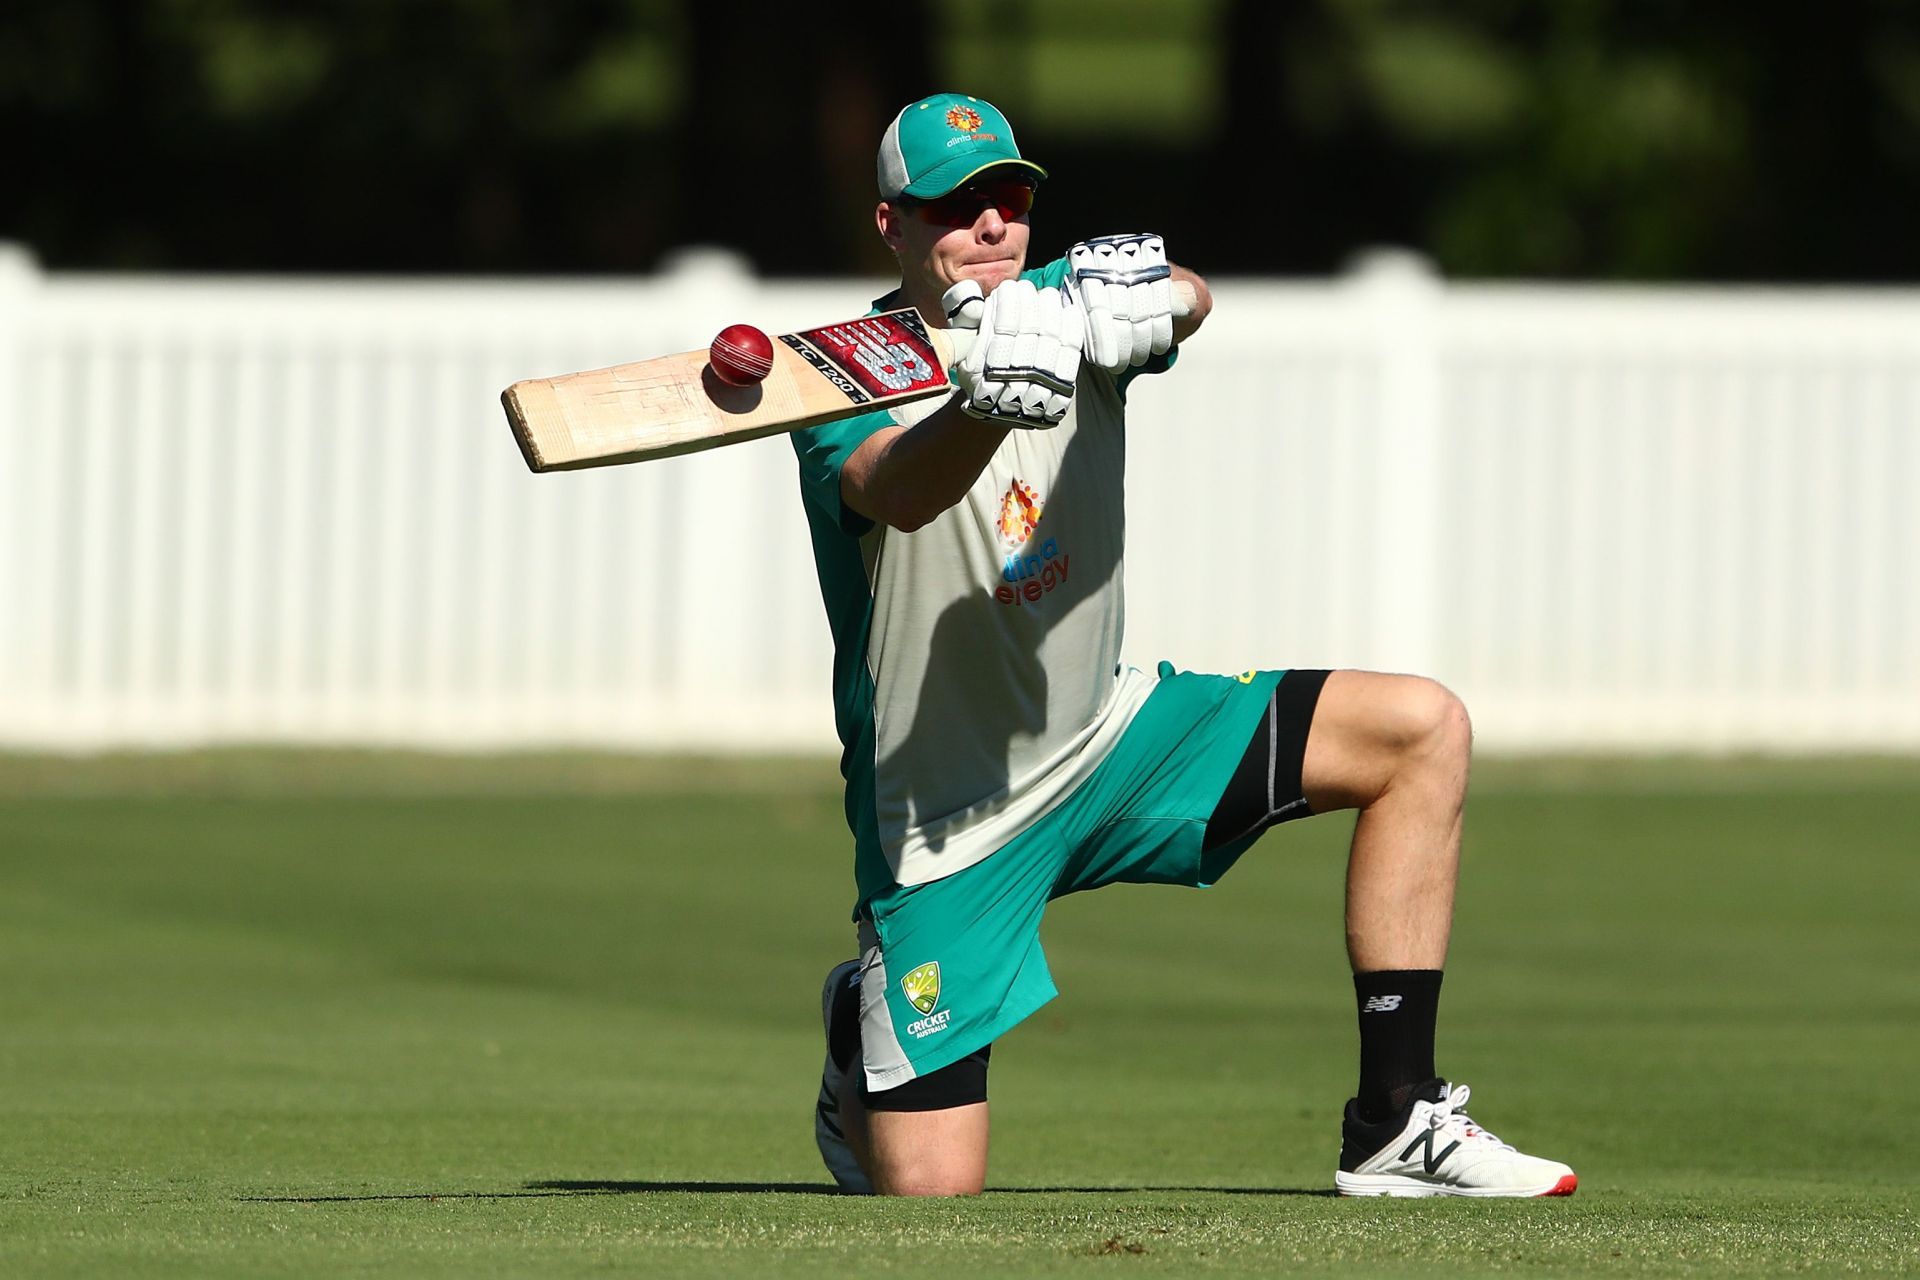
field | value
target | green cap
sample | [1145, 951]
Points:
[938, 143]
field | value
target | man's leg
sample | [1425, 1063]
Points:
[926, 1137]
[1397, 748]
[941, 1152]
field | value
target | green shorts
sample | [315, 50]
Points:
[951, 965]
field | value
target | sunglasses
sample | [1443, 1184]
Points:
[963, 206]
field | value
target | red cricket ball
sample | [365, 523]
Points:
[741, 355]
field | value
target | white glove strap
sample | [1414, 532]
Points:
[1125, 287]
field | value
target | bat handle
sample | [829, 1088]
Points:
[965, 302]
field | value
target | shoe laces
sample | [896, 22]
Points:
[1450, 1114]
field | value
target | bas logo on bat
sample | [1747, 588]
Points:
[884, 355]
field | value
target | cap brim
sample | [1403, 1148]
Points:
[961, 170]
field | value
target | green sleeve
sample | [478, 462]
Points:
[1051, 276]
[822, 451]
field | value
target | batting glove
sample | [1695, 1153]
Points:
[1125, 288]
[1023, 365]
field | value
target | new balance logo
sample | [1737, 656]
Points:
[1429, 1160]
[1380, 1004]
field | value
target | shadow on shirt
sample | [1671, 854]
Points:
[1000, 641]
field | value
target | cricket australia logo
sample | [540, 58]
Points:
[963, 119]
[922, 990]
[922, 986]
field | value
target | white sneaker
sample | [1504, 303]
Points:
[843, 983]
[1437, 1150]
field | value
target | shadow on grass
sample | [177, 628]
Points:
[815, 1188]
[536, 1190]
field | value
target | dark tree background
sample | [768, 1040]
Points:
[1519, 138]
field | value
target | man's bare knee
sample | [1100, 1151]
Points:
[1375, 733]
[1433, 736]
[1442, 729]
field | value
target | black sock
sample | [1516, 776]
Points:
[1398, 1008]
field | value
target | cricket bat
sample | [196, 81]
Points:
[677, 404]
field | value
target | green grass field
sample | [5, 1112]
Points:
[275, 1014]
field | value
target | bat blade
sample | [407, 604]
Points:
[674, 404]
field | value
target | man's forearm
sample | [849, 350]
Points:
[905, 476]
[1186, 326]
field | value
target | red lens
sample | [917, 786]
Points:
[962, 208]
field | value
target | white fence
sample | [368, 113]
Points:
[277, 510]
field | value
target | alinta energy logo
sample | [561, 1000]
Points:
[1029, 576]
[966, 122]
